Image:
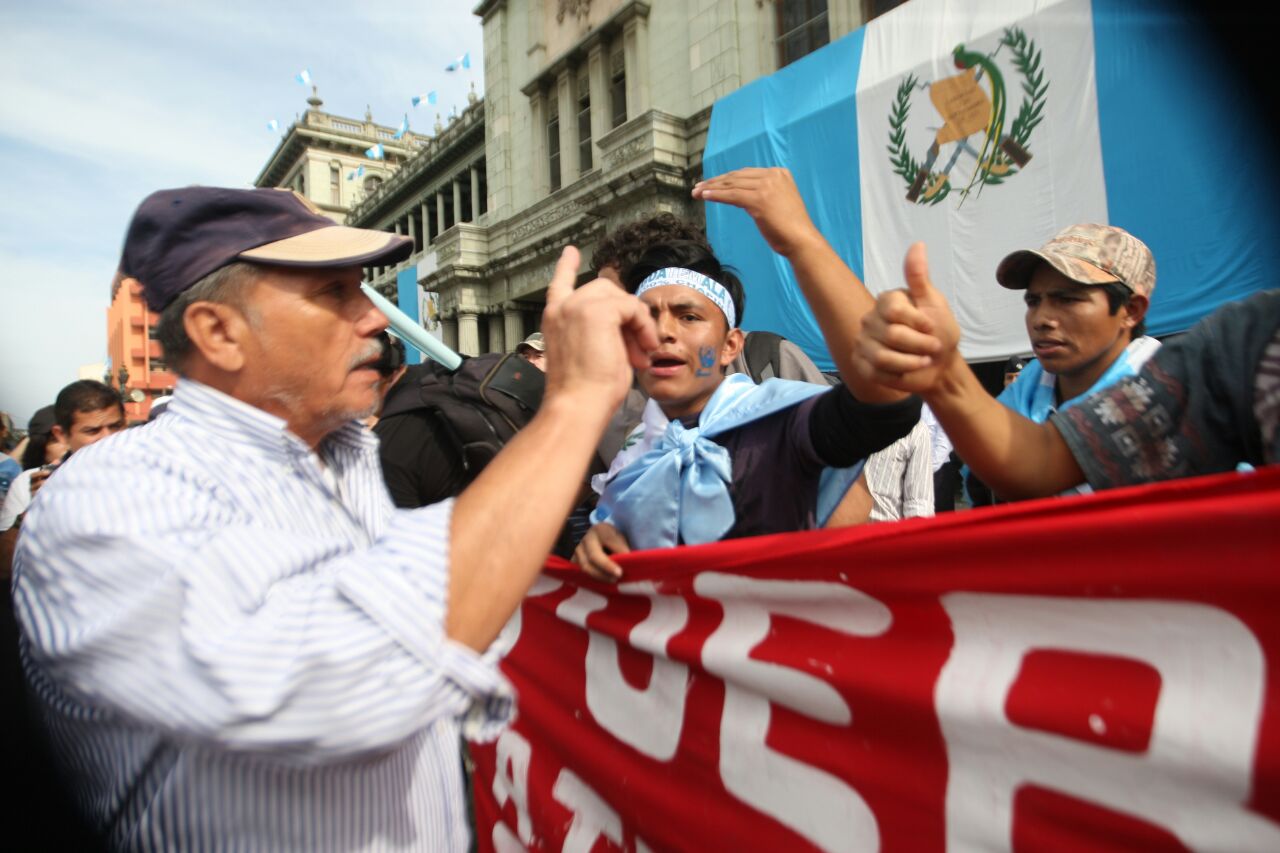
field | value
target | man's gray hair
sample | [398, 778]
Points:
[226, 286]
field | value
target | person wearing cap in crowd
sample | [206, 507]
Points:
[1205, 402]
[1087, 292]
[717, 456]
[534, 350]
[1012, 367]
[235, 637]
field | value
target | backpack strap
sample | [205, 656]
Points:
[764, 355]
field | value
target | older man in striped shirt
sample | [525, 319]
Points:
[237, 641]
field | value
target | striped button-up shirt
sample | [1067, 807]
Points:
[238, 642]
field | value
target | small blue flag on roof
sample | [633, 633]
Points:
[273, 125]
[404, 128]
[355, 173]
[303, 77]
[463, 61]
[430, 98]
[377, 152]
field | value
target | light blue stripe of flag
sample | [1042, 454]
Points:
[404, 128]
[430, 98]
[377, 152]
[304, 77]
[1185, 152]
[273, 125]
[803, 117]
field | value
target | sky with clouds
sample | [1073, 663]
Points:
[104, 101]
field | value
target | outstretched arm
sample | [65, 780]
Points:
[838, 299]
[910, 342]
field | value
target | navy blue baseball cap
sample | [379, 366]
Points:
[178, 237]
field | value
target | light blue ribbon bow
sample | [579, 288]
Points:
[679, 490]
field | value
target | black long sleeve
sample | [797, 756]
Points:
[844, 429]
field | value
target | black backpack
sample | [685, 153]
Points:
[481, 405]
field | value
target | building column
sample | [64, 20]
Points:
[426, 224]
[412, 225]
[635, 45]
[513, 321]
[496, 337]
[457, 199]
[541, 168]
[399, 229]
[439, 213]
[475, 193]
[468, 333]
[568, 129]
[598, 78]
[449, 333]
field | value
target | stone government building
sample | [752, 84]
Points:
[595, 113]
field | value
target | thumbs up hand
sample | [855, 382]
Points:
[910, 339]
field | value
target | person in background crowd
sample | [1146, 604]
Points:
[10, 467]
[533, 349]
[234, 634]
[1013, 367]
[85, 412]
[900, 477]
[1205, 403]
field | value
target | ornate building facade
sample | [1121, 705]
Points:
[595, 113]
[137, 365]
[322, 156]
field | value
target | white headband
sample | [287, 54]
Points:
[695, 281]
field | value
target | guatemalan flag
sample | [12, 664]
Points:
[986, 126]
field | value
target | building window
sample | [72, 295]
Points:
[876, 8]
[553, 139]
[802, 28]
[335, 183]
[617, 84]
[302, 182]
[584, 122]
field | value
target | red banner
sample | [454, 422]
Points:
[1087, 673]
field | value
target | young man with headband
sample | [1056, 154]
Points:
[718, 456]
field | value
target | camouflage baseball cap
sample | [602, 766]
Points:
[1088, 254]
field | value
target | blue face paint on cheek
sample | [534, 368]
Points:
[706, 360]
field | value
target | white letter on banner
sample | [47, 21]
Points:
[592, 816]
[814, 803]
[511, 779]
[504, 841]
[649, 720]
[1195, 775]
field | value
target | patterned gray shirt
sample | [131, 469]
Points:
[1208, 401]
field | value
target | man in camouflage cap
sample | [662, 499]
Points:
[1087, 291]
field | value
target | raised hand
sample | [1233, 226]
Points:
[595, 335]
[592, 553]
[771, 198]
[911, 338]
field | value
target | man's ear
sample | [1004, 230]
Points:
[218, 332]
[733, 344]
[1136, 309]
